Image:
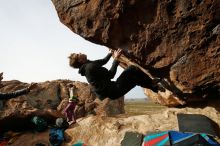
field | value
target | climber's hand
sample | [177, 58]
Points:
[117, 54]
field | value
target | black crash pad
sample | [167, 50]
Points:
[196, 123]
[132, 139]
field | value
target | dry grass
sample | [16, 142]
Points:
[142, 107]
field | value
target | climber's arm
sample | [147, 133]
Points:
[116, 55]
[104, 60]
[13, 94]
[18, 92]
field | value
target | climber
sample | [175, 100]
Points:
[70, 108]
[16, 93]
[100, 78]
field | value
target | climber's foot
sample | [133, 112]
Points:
[161, 88]
[156, 81]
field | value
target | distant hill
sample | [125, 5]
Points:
[136, 100]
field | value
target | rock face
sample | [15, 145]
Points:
[174, 40]
[48, 100]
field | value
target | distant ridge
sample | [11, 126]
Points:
[136, 100]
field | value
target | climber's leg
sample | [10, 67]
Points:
[125, 82]
[143, 79]
[128, 79]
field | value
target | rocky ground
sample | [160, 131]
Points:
[106, 131]
[99, 122]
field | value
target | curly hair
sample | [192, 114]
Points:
[74, 60]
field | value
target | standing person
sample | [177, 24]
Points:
[14, 94]
[70, 108]
[100, 78]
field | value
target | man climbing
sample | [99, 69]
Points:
[16, 93]
[100, 78]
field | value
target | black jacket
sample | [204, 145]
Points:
[13, 94]
[97, 75]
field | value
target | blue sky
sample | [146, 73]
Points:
[35, 45]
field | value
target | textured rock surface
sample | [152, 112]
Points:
[171, 39]
[106, 127]
[48, 100]
[109, 131]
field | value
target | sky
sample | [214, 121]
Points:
[35, 45]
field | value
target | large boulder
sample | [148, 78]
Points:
[48, 101]
[174, 40]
